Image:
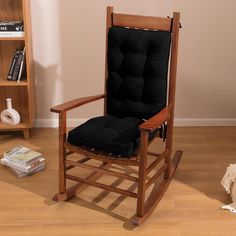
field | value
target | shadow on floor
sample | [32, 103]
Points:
[200, 170]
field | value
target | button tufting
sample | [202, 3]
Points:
[142, 71]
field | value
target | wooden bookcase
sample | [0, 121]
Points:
[22, 93]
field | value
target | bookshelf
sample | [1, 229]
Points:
[22, 93]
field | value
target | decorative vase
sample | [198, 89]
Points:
[10, 116]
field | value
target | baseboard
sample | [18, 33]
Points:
[205, 122]
[53, 123]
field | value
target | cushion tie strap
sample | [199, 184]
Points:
[163, 131]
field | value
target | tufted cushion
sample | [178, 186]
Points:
[136, 90]
[118, 136]
[137, 72]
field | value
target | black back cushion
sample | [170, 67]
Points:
[137, 72]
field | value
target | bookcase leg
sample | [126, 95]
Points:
[26, 133]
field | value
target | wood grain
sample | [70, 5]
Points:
[62, 152]
[157, 161]
[142, 173]
[19, 102]
[104, 171]
[79, 187]
[24, 99]
[22, 38]
[146, 128]
[102, 186]
[143, 22]
[172, 88]
[75, 103]
[155, 121]
[11, 10]
[4, 82]
[29, 60]
[108, 25]
[191, 205]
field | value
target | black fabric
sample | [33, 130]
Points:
[136, 90]
[110, 134]
[137, 72]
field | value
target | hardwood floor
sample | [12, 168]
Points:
[189, 207]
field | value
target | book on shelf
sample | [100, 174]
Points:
[23, 161]
[11, 34]
[17, 66]
[22, 65]
[11, 29]
[12, 26]
[13, 63]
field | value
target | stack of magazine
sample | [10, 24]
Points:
[23, 161]
[11, 29]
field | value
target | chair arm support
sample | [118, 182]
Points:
[75, 103]
[155, 121]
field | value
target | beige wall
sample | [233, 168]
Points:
[69, 46]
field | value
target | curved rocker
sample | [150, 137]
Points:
[155, 39]
[158, 192]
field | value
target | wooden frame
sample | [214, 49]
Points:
[144, 208]
[22, 93]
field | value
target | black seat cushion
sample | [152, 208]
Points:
[110, 134]
[137, 72]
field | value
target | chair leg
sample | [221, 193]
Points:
[142, 174]
[157, 192]
[62, 155]
[169, 142]
[79, 187]
[62, 152]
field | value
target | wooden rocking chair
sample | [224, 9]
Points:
[138, 49]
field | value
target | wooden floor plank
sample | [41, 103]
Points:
[189, 207]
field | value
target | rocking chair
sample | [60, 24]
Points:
[139, 104]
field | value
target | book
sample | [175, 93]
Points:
[23, 168]
[21, 65]
[17, 66]
[12, 26]
[13, 63]
[21, 174]
[22, 156]
[11, 34]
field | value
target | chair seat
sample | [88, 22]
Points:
[118, 136]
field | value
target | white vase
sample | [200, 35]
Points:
[10, 116]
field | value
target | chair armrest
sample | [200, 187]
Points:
[75, 103]
[155, 121]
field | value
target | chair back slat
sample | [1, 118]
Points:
[142, 22]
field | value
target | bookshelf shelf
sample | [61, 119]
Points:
[22, 93]
[22, 125]
[12, 38]
[7, 83]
